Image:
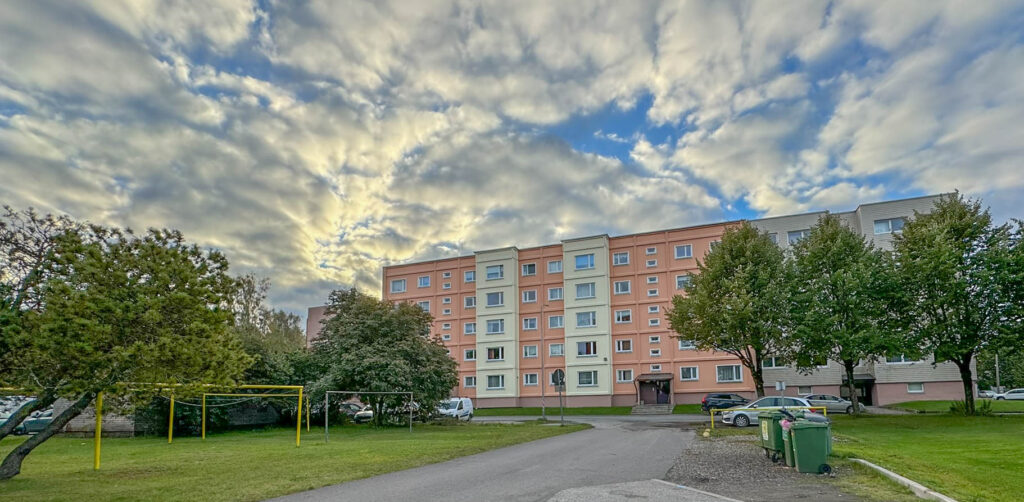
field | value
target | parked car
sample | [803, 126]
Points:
[350, 409]
[745, 418]
[986, 394]
[834, 404]
[721, 400]
[364, 415]
[36, 422]
[1012, 394]
[460, 408]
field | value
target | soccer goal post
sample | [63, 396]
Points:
[327, 405]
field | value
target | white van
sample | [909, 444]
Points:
[460, 408]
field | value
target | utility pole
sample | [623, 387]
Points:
[999, 388]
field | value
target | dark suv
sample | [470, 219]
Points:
[721, 400]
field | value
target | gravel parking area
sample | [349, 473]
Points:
[736, 467]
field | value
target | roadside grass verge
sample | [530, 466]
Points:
[1001, 406]
[552, 411]
[967, 458]
[246, 465]
[686, 409]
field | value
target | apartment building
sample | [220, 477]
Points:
[594, 308]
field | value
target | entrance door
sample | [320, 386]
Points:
[648, 392]
[663, 392]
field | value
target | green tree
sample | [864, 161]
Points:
[373, 345]
[738, 302]
[960, 279]
[118, 309]
[272, 337]
[1011, 368]
[840, 289]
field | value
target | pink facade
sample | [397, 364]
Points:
[888, 393]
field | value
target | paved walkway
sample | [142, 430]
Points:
[618, 449]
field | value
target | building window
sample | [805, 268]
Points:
[469, 355]
[655, 368]
[915, 388]
[653, 309]
[586, 349]
[446, 285]
[446, 312]
[795, 236]
[495, 326]
[684, 251]
[529, 379]
[620, 258]
[621, 287]
[495, 299]
[889, 226]
[529, 269]
[529, 323]
[623, 376]
[772, 362]
[729, 373]
[655, 352]
[423, 281]
[446, 325]
[652, 279]
[556, 321]
[585, 290]
[654, 322]
[446, 337]
[804, 389]
[469, 276]
[584, 261]
[496, 353]
[469, 382]
[652, 292]
[652, 263]
[687, 345]
[530, 296]
[556, 350]
[554, 293]
[774, 237]
[682, 281]
[586, 319]
[469, 328]
[654, 339]
[587, 378]
[688, 373]
[623, 316]
[495, 272]
[495, 382]
[900, 359]
[446, 300]
[650, 251]
[529, 351]
[469, 302]
[713, 244]
[554, 266]
[624, 345]
[398, 286]
[425, 305]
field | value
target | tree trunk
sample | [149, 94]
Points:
[851, 386]
[11, 465]
[26, 409]
[968, 380]
[758, 381]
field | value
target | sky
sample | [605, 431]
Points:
[315, 142]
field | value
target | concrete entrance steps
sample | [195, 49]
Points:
[652, 409]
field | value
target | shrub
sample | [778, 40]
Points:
[981, 409]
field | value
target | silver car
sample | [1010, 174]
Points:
[749, 417]
[1017, 394]
[834, 404]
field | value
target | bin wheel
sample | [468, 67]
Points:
[776, 457]
[825, 469]
[766, 453]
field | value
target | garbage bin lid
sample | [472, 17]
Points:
[805, 424]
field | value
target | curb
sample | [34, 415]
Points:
[920, 490]
[702, 492]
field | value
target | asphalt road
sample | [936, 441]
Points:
[614, 451]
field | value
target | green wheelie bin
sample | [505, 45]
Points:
[811, 444]
[771, 434]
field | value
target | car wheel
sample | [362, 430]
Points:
[1000, 398]
[741, 421]
[849, 410]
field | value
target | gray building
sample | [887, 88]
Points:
[893, 379]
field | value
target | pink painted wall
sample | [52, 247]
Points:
[888, 393]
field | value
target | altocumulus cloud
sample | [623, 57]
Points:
[316, 141]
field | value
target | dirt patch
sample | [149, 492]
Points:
[734, 466]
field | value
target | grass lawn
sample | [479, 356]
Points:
[943, 406]
[246, 465]
[969, 459]
[686, 409]
[552, 411]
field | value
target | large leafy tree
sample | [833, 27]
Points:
[273, 337]
[373, 345]
[117, 310]
[839, 299]
[738, 302]
[961, 277]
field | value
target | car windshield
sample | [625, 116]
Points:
[447, 405]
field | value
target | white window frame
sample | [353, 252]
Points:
[687, 251]
[446, 337]
[419, 281]
[775, 363]
[738, 371]
[796, 236]
[588, 344]
[446, 275]
[420, 305]
[560, 294]
[909, 391]
[466, 355]
[651, 251]
[654, 339]
[501, 354]
[524, 266]
[446, 312]
[654, 322]
[551, 350]
[395, 282]
[555, 267]
[653, 309]
[695, 372]
[501, 299]
[446, 325]
[652, 263]
[620, 258]
[619, 376]
[469, 302]
[652, 279]
[618, 291]
[526, 322]
[466, 381]
[446, 300]
[592, 264]
[500, 275]
[593, 290]
[620, 343]
[688, 279]
[530, 293]
[593, 378]
[466, 330]
[903, 360]
[592, 316]
[501, 323]
[526, 379]
[628, 316]
[561, 322]
[501, 383]
[655, 352]
[535, 352]
[446, 285]
[687, 345]
[888, 223]
[469, 276]
[655, 368]
[652, 292]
